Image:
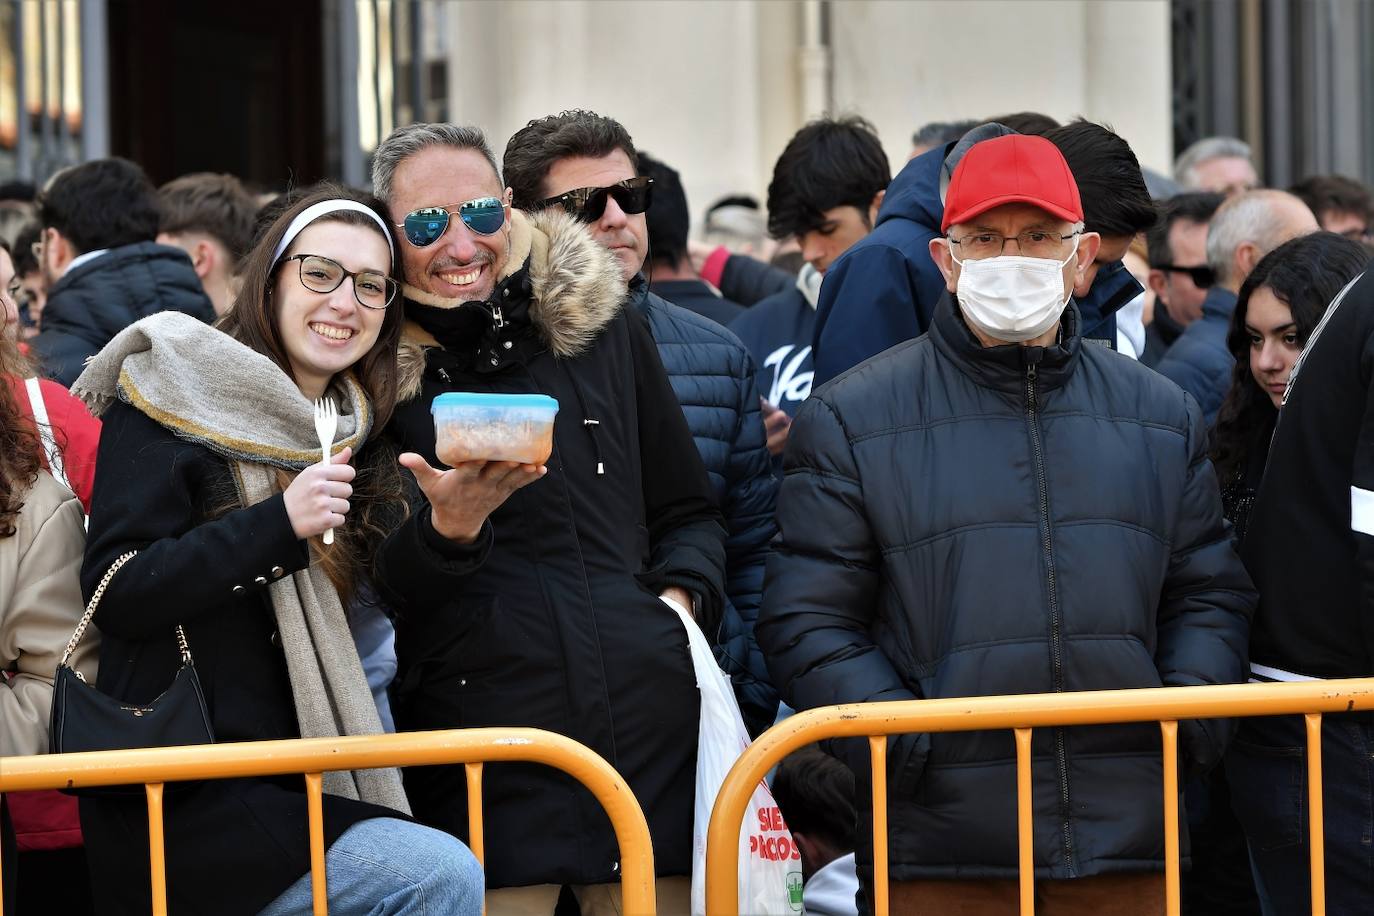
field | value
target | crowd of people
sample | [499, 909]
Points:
[1022, 418]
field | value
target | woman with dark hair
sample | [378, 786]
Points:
[41, 541]
[1279, 305]
[210, 469]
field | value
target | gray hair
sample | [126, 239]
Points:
[404, 142]
[1205, 150]
[1255, 217]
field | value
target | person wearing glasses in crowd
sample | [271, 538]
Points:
[586, 164]
[562, 628]
[210, 468]
[101, 266]
[1176, 247]
[939, 538]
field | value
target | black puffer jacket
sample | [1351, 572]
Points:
[713, 377]
[562, 628]
[959, 521]
[97, 300]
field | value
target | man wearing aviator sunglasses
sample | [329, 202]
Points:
[559, 624]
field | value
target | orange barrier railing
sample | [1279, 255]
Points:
[314, 756]
[1021, 714]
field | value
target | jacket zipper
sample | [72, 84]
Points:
[1056, 623]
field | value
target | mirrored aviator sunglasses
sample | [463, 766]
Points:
[483, 215]
[633, 195]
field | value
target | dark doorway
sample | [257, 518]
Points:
[224, 87]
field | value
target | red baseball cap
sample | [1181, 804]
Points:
[1013, 169]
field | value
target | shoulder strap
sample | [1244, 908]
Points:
[40, 419]
[95, 602]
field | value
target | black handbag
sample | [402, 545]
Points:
[84, 719]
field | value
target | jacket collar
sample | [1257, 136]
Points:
[557, 281]
[1005, 367]
[1220, 303]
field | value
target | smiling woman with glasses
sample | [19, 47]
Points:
[212, 493]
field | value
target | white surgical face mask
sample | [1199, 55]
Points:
[1013, 298]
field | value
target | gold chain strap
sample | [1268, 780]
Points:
[90, 613]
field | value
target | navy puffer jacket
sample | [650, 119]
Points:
[712, 374]
[92, 303]
[962, 521]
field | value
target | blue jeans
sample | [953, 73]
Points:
[389, 867]
[1267, 770]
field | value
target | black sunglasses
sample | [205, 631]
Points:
[633, 195]
[1202, 275]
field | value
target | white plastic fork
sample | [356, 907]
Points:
[326, 424]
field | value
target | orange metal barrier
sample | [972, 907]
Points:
[1022, 714]
[313, 756]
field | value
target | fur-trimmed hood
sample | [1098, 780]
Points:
[576, 289]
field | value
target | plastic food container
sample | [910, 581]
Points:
[470, 426]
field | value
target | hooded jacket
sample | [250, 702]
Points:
[713, 377]
[1199, 361]
[941, 537]
[561, 628]
[88, 306]
[885, 288]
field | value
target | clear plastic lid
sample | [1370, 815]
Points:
[461, 399]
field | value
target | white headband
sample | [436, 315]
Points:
[315, 211]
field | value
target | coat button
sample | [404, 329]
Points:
[507, 344]
[238, 589]
[275, 638]
[494, 360]
[278, 572]
[261, 580]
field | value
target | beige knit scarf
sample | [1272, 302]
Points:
[212, 390]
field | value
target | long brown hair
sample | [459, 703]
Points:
[20, 446]
[378, 501]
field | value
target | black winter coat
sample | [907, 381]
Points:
[232, 846]
[713, 377]
[944, 535]
[562, 628]
[88, 306]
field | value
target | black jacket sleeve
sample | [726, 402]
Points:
[748, 280]
[1208, 599]
[822, 583]
[417, 570]
[686, 534]
[150, 495]
[1362, 498]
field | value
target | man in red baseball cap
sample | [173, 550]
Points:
[994, 508]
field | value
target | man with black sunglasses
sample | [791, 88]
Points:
[1179, 276]
[557, 160]
[562, 626]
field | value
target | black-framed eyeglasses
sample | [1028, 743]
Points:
[1033, 243]
[633, 195]
[483, 215]
[319, 274]
[1201, 275]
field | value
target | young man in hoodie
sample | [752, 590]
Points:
[826, 190]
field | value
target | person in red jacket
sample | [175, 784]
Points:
[46, 825]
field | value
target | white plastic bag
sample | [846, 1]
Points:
[770, 876]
